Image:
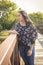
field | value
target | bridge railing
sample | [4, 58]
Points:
[8, 48]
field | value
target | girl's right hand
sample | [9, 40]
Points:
[13, 32]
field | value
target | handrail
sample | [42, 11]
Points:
[6, 49]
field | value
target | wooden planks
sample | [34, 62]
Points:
[6, 49]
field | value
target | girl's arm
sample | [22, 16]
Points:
[13, 32]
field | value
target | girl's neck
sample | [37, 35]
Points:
[23, 23]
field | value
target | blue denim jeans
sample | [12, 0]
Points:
[29, 60]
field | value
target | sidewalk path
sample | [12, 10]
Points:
[39, 50]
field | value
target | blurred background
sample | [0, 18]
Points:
[8, 18]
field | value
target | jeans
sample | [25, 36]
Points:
[28, 60]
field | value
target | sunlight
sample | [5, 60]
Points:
[30, 5]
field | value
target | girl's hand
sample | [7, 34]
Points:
[29, 53]
[13, 32]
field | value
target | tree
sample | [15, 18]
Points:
[1, 28]
[9, 14]
[37, 18]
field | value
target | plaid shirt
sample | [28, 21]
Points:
[27, 34]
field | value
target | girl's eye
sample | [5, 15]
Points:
[18, 15]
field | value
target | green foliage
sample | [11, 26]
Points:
[37, 18]
[1, 40]
[5, 4]
[4, 33]
[1, 27]
[9, 15]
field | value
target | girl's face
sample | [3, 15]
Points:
[20, 17]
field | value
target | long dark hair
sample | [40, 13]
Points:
[25, 16]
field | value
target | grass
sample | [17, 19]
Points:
[1, 40]
[4, 33]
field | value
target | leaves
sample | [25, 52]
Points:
[9, 15]
[37, 18]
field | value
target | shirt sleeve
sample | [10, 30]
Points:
[16, 27]
[33, 34]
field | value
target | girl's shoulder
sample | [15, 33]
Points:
[17, 23]
[32, 25]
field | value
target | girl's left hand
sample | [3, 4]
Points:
[29, 53]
